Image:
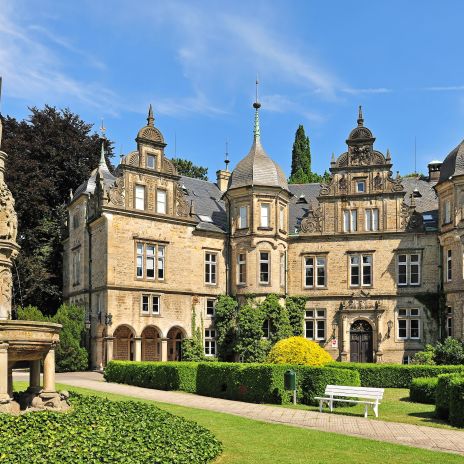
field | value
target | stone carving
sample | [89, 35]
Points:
[182, 206]
[325, 189]
[342, 184]
[378, 182]
[6, 286]
[312, 222]
[116, 193]
[397, 185]
[8, 218]
[411, 220]
[360, 155]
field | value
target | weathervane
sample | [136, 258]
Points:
[227, 161]
[102, 130]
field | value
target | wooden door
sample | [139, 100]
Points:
[361, 345]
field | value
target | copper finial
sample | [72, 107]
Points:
[360, 116]
[150, 118]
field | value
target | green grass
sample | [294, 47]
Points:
[395, 407]
[248, 441]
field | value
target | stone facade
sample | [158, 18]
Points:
[148, 247]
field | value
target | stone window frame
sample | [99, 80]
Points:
[408, 315]
[157, 202]
[269, 264]
[239, 264]
[312, 318]
[283, 227]
[357, 182]
[282, 267]
[448, 257]
[144, 187]
[314, 256]
[240, 224]
[209, 300]
[156, 260]
[208, 280]
[210, 345]
[408, 263]
[151, 298]
[76, 266]
[361, 255]
[447, 219]
[352, 225]
[370, 212]
[449, 321]
[155, 157]
[265, 205]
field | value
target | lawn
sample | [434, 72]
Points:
[248, 441]
[395, 407]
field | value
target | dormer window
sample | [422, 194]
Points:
[139, 197]
[151, 161]
[360, 186]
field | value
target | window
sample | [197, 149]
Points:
[447, 214]
[76, 267]
[408, 269]
[241, 264]
[282, 218]
[360, 186]
[145, 260]
[315, 322]
[449, 321]
[150, 305]
[265, 215]
[161, 201]
[75, 221]
[151, 161]
[360, 270]
[282, 269]
[210, 342]
[264, 267]
[210, 307]
[243, 217]
[371, 223]
[210, 268]
[140, 197]
[315, 271]
[266, 328]
[350, 220]
[449, 267]
[409, 323]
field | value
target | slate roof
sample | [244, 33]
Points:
[299, 204]
[89, 185]
[257, 169]
[207, 202]
[453, 164]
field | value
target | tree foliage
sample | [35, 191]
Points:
[448, 352]
[226, 324]
[279, 322]
[50, 153]
[187, 168]
[296, 307]
[301, 172]
[192, 348]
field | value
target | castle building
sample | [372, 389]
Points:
[379, 258]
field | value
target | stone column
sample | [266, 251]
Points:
[344, 342]
[34, 376]
[4, 396]
[49, 371]
[109, 349]
[164, 349]
[10, 382]
[138, 349]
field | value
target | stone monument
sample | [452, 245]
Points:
[22, 342]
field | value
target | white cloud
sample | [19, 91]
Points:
[446, 88]
[282, 104]
[354, 91]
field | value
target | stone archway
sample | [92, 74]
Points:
[175, 337]
[151, 344]
[361, 342]
[124, 347]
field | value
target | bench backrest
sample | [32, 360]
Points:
[355, 392]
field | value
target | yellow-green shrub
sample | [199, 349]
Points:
[298, 350]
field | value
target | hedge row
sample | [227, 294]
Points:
[254, 383]
[394, 375]
[456, 401]
[100, 430]
[423, 390]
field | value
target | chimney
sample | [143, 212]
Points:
[434, 170]
[222, 179]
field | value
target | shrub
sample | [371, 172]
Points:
[296, 308]
[394, 375]
[99, 430]
[156, 375]
[442, 396]
[298, 350]
[225, 322]
[423, 390]
[277, 315]
[424, 357]
[449, 352]
[456, 401]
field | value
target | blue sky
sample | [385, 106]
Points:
[196, 62]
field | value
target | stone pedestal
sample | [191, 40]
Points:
[34, 377]
[49, 372]
[4, 394]
[164, 349]
[109, 349]
[138, 349]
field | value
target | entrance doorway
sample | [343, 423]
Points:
[361, 345]
[175, 336]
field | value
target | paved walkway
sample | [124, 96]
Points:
[419, 436]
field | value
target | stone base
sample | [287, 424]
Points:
[12, 407]
[42, 400]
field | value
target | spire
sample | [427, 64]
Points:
[102, 163]
[256, 106]
[332, 161]
[388, 159]
[360, 117]
[150, 118]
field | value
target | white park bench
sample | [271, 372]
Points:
[362, 395]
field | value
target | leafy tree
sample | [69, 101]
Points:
[448, 352]
[187, 168]
[50, 152]
[279, 322]
[296, 307]
[192, 348]
[226, 323]
[301, 161]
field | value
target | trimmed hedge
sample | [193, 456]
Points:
[394, 375]
[254, 383]
[423, 390]
[157, 375]
[442, 397]
[100, 430]
[456, 401]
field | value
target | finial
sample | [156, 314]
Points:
[360, 116]
[102, 154]
[333, 158]
[388, 155]
[102, 130]
[227, 161]
[150, 118]
[256, 106]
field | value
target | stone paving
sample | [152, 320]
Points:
[407, 434]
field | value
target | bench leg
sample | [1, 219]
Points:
[331, 405]
[320, 405]
[376, 409]
[365, 410]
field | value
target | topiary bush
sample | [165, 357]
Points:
[442, 396]
[423, 390]
[99, 430]
[456, 401]
[298, 350]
